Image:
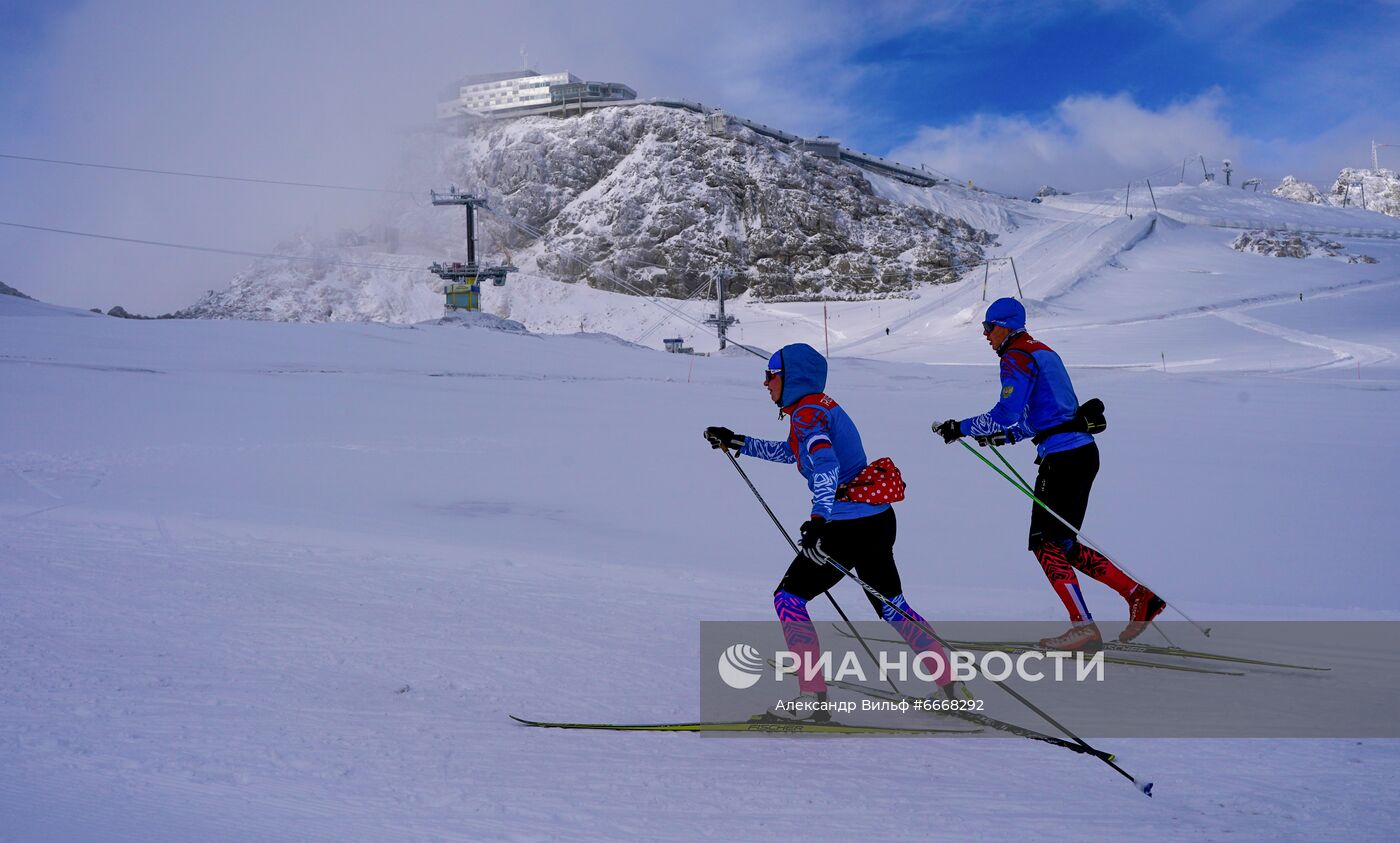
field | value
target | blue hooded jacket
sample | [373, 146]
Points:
[819, 432]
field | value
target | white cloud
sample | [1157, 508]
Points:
[321, 91]
[1087, 142]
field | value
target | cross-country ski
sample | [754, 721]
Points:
[1021, 646]
[758, 724]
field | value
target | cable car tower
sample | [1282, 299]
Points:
[720, 321]
[463, 290]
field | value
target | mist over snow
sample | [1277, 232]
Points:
[643, 199]
[325, 93]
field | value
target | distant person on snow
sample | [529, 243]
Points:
[1038, 403]
[851, 518]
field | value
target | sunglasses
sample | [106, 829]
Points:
[987, 327]
[770, 374]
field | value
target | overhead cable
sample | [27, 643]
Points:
[203, 175]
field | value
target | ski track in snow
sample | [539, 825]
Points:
[1342, 352]
[35, 484]
[1218, 308]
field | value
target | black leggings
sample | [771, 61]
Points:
[1063, 484]
[862, 545]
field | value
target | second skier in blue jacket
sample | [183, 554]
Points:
[1036, 399]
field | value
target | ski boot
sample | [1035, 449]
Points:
[1084, 636]
[806, 707]
[1143, 606]
[952, 699]
[954, 690]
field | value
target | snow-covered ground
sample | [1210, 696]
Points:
[286, 581]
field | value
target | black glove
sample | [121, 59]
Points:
[949, 430]
[1001, 437]
[811, 533]
[723, 437]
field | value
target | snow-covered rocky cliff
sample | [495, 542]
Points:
[7, 290]
[645, 195]
[1298, 191]
[1373, 190]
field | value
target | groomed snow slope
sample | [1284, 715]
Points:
[1075, 269]
[1208, 203]
[283, 582]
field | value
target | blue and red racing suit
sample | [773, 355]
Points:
[1036, 394]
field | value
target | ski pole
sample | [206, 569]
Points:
[797, 550]
[1025, 486]
[1145, 787]
[1025, 489]
[1105, 757]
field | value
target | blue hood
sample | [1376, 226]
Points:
[804, 372]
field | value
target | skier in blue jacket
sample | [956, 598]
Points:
[825, 445]
[1037, 399]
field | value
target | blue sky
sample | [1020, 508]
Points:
[1288, 86]
[1081, 95]
[952, 71]
[1008, 62]
[25, 28]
